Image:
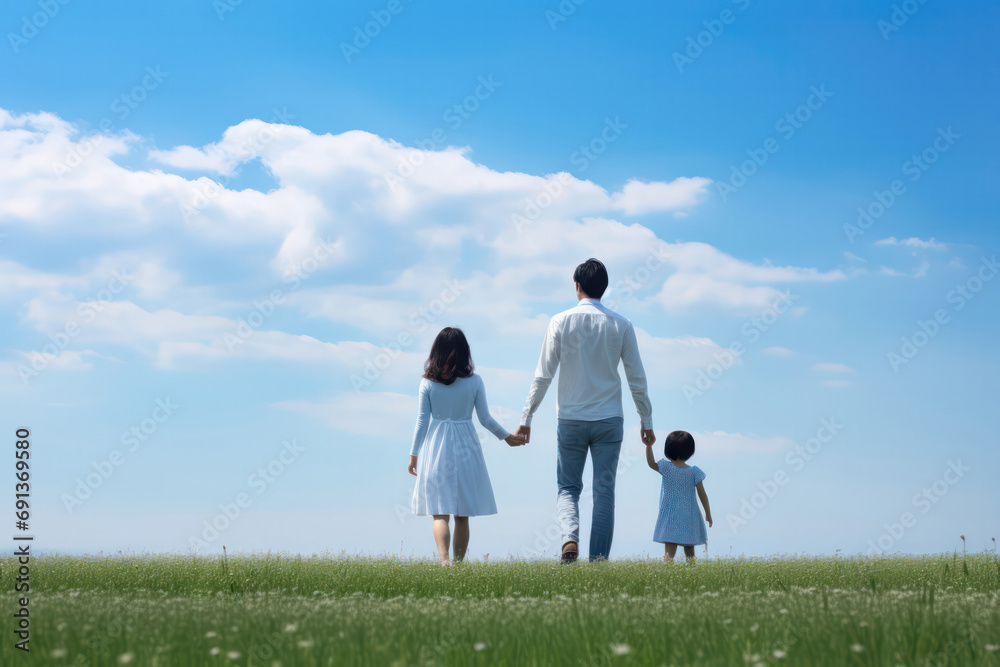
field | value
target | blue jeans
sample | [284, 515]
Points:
[603, 439]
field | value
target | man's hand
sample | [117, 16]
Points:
[647, 436]
[413, 465]
[514, 440]
[525, 432]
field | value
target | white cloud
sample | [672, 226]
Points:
[386, 415]
[831, 367]
[919, 272]
[332, 191]
[775, 351]
[690, 274]
[26, 365]
[705, 275]
[52, 176]
[702, 257]
[669, 361]
[919, 245]
[147, 275]
[638, 197]
[682, 291]
[69, 360]
[335, 187]
[16, 278]
[913, 242]
[171, 339]
[722, 444]
[374, 414]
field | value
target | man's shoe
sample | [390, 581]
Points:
[570, 552]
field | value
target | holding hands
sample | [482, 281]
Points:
[516, 439]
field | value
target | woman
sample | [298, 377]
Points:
[446, 456]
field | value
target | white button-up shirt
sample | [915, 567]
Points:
[586, 343]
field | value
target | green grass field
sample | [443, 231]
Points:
[268, 610]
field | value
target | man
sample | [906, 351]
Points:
[589, 341]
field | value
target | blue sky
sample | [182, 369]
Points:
[250, 171]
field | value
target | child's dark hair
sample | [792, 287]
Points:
[450, 357]
[679, 445]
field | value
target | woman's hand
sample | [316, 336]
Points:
[413, 465]
[514, 440]
[708, 518]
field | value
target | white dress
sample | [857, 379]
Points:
[451, 471]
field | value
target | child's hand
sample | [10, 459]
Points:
[708, 518]
[515, 440]
[413, 466]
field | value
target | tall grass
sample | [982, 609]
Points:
[262, 608]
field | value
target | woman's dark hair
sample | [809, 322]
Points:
[593, 278]
[450, 357]
[678, 445]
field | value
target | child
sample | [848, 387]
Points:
[679, 521]
[452, 477]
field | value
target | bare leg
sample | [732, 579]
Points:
[461, 543]
[442, 536]
[689, 553]
[669, 549]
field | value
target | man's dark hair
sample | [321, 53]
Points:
[450, 357]
[679, 445]
[593, 278]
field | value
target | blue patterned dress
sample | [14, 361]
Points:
[680, 520]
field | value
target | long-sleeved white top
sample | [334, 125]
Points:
[586, 343]
[453, 402]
